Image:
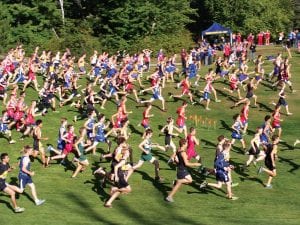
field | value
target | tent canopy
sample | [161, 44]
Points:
[216, 28]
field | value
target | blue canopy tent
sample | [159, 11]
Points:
[217, 28]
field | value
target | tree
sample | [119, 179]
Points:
[251, 15]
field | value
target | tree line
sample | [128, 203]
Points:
[84, 25]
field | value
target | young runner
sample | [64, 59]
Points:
[183, 176]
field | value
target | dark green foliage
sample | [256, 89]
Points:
[252, 15]
[133, 25]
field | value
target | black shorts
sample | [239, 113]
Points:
[168, 139]
[36, 145]
[2, 185]
[182, 173]
[253, 151]
[122, 179]
[269, 164]
[249, 95]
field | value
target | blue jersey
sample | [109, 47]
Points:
[100, 134]
[90, 125]
[21, 165]
[236, 134]
[156, 92]
[220, 162]
[60, 142]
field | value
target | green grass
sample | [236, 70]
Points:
[80, 201]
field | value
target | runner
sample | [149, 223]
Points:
[183, 176]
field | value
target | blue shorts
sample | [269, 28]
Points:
[3, 127]
[224, 73]
[89, 134]
[222, 176]
[242, 77]
[236, 135]
[100, 138]
[206, 95]
[24, 179]
[82, 69]
[264, 138]
[97, 71]
[146, 126]
[61, 145]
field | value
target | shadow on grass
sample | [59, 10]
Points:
[291, 163]
[87, 209]
[8, 205]
[208, 143]
[134, 130]
[286, 145]
[160, 186]
[225, 125]
[264, 107]
[169, 215]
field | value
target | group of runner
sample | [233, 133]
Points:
[117, 77]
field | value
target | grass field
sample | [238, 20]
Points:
[80, 200]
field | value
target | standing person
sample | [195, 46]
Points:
[183, 56]
[252, 49]
[146, 146]
[37, 144]
[271, 156]
[25, 174]
[260, 37]
[267, 37]
[183, 176]
[7, 188]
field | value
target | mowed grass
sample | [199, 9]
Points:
[80, 200]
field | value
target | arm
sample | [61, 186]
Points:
[186, 161]
[196, 140]
[120, 164]
[274, 155]
[253, 141]
[163, 129]
[39, 136]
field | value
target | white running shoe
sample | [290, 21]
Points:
[169, 199]
[39, 202]
[19, 210]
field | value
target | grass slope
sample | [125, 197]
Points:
[80, 201]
